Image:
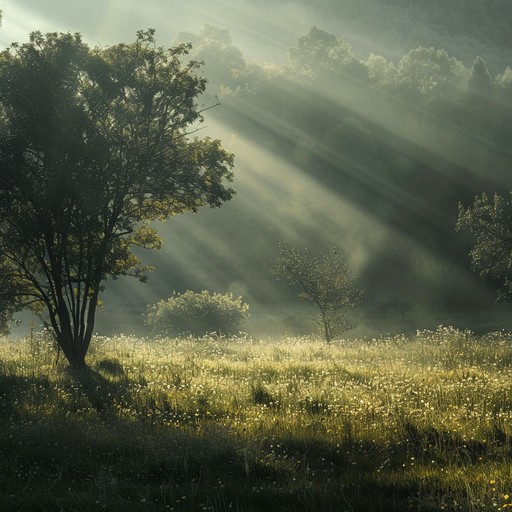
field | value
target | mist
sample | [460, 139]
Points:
[358, 126]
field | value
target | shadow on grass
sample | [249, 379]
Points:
[139, 466]
[13, 389]
[94, 458]
[102, 394]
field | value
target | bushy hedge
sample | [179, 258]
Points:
[197, 314]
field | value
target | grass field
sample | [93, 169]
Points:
[397, 424]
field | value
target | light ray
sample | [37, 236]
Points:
[18, 22]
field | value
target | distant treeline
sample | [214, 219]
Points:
[465, 28]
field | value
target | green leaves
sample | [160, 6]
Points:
[197, 314]
[320, 54]
[324, 280]
[428, 76]
[490, 224]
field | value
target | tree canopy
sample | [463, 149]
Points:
[320, 53]
[490, 223]
[324, 280]
[94, 145]
[223, 62]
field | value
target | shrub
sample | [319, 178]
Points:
[197, 314]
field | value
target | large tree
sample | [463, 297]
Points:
[321, 56]
[95, 144]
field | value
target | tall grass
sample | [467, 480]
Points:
[292, 424]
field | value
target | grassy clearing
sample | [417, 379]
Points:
[294, 424]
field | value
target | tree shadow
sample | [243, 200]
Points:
[11, 387]
[103, 394]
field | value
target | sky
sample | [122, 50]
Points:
[264, 34]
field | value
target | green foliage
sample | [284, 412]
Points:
[464, 27]
[324, 280]
[490, 223]
[223, 62]
[94, 145]
[198, 314]
[320, 54]
[480, 81]
[429, 76]
[380, 72]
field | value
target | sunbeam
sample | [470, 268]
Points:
[19, 21]
[333, 145]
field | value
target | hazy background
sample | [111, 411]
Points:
[356, 124]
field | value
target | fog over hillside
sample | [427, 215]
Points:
[356, 125]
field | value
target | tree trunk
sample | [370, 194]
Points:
[327, 328]
[73, 339]
[77, 361]
[73, 350]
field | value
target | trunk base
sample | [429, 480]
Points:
[77, 369]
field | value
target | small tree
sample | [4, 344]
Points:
[197, 314]
[325, 280]
[490, 223]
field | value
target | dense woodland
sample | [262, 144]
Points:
[464, 28]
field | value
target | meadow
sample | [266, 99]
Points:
[395, 423]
